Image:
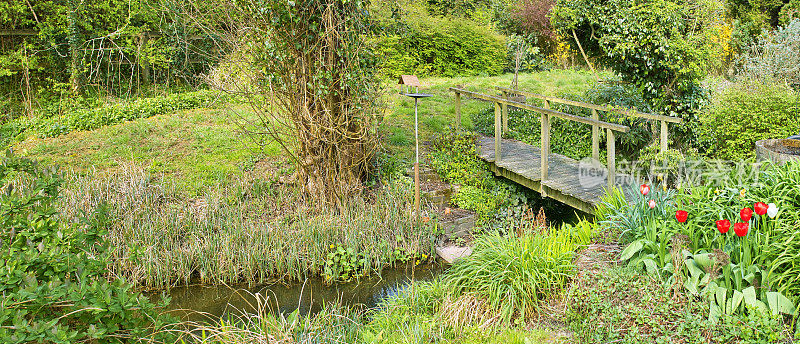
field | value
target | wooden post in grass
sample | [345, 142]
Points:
[663, 136]
[458, 111]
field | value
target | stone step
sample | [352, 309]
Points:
[452, 253]
[458, 224]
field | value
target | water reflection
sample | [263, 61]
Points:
[308, 296]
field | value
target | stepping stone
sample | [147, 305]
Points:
[452, 253]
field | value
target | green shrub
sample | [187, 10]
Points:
[52, 275]
[425, 45]
[744, 114]
[454, 157]
[774, 56]
[660, 46]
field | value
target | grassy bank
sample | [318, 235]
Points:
[192, 198]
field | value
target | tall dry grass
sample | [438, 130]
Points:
[250, 229]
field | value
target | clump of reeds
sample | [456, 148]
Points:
[246, 230]
[511, 275]
[333, 324]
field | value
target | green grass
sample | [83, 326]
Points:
[337, 324]
[192, 148]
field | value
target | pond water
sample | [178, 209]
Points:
[191, 302]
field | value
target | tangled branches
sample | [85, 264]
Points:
[305, 70]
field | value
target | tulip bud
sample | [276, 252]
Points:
[772, 210]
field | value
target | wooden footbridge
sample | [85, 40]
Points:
[579, 184]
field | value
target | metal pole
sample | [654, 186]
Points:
[416, 161]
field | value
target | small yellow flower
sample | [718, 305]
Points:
[665, 187]
[331, 245]
[741, 193]
[660, 177]
[716, 191]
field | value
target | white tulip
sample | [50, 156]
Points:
[772, 210]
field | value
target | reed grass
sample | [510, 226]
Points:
[514, 274]
[250, 229]
[333, 324]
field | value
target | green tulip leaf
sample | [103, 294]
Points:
[703, 260]
[631, 250]
[694, 270]
[650, 265]
[779, 303]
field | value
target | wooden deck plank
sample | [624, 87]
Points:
[524, 160]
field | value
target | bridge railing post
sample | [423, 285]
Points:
[497, 132]
[458, 111]
[545, 148]
[611, 161]
[505, 113]
[595, 137]
[663, 136]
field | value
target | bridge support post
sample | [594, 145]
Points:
[611, 164]
[595, 137]
[458, 111]
[505, 113]
[545, 149]
[498, 134]
[663, 136]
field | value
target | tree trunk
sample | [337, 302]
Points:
[73, 38]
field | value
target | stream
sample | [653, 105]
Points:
[204, 303]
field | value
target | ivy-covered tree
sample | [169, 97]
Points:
[661, 46]
[306, 70]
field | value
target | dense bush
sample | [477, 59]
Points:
[744, 114]
[774, 57]
[93, 118]
[52, 275]
[424, 45]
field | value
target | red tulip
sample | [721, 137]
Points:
[644, 189]
[761, 208]
[740, 228]
[651, 204]
[681, 216]
[746, 214]
[723, 226]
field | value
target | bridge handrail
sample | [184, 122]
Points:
[501, 116]
[566, 116]
[618, 110]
